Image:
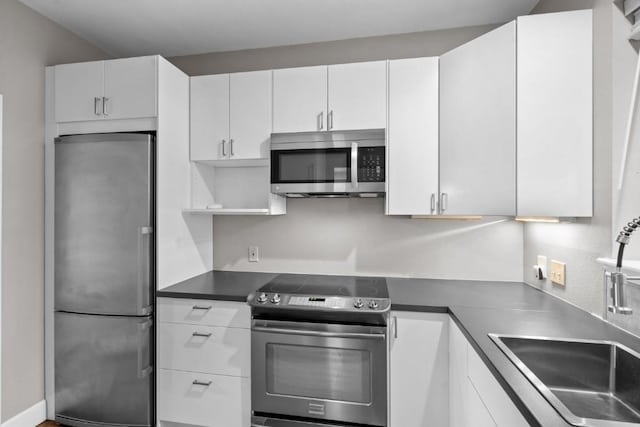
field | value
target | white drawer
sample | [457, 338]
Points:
[226, 351]
[221, 402]
[204, 312]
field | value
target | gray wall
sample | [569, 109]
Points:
[580, 243]
[354, 236]
[28, 43]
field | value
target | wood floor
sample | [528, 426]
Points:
[48, 424]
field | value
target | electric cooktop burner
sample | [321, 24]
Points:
[343, 293]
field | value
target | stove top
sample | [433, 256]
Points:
[314, 292]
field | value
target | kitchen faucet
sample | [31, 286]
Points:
[618, 279]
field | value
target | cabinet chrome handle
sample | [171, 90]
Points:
[97, 103]
[143, 342]
[330, 120]
[231, 147]
[433, 202]
[395, 326]
[321, 120]
[202, 383]
[201, 334]
[200, 307]
[444, 202]
[105, 106]
[224, 148]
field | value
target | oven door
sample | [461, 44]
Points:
[323, 371]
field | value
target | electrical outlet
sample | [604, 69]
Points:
[540, 269]
[558, 271]
[254, 254]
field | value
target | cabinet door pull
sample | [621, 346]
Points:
[202, 383]
[444, 202]
[201, 334]
[224, 148]
[321, 120]
[395, 326]
[330, 120]
[105, 106]
[433, 202]
[201, 307]
[231, 147]
[97, 102]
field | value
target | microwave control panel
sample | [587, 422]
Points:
[371, 161]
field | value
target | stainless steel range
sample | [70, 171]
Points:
[320, 352]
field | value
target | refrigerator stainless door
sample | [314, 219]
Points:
[103, 223]
[103, 371]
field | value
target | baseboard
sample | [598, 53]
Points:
[30, 417]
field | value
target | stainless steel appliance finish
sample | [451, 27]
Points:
[329, 164]
[590, 383]
[275, 422]
[322, 344]
[104, 280]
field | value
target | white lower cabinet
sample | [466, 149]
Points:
[204, 363]
[203, 400]
[476, 398]
[419, 370]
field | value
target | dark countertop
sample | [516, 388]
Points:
[478, 307]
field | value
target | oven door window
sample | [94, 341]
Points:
[311, 166]
[319, 372]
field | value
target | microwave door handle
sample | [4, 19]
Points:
[354, 165]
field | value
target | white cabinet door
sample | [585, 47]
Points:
[210, 117]
[458, 379]
[203, 399]
[476, 413]
[358, 96]
[419, 370]
[477, 125]
[555, 114]
[300, 99]
[412, 137]
[131, 87]
[76, 88]
[250, 119]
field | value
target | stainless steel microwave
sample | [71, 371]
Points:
[328, 164]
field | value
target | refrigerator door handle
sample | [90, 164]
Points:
[143, 269]
[143, 339]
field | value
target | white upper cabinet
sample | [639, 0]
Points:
[412, 146]
[357, 96]
[78, 91]
[130, 87]
[209, 117]
[114, 89]
[555, 114]
[250, 114]
[231, 116]
[300, 99]
[477, 126]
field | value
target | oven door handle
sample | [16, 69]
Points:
[354, 165]
[319, 333]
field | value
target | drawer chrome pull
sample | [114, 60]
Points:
[200, 307]
[201, 334]
[202, 383]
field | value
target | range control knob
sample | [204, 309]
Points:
[262, 298]
[275, 299]
[373, 304]
[358, 303]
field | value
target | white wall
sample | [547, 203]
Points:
[28, 43]
[353, 236]
[581, 243]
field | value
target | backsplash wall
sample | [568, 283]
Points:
[353, 236]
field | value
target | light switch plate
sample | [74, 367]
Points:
[254, 254]
[558, 271]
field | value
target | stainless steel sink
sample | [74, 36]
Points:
[590, 383]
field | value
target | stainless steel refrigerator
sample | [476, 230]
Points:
[104, 280]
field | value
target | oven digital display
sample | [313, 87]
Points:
[316, 299]
[330, 302]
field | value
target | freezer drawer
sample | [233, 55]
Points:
[103, 224]
[203, 400]
[103, 372]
